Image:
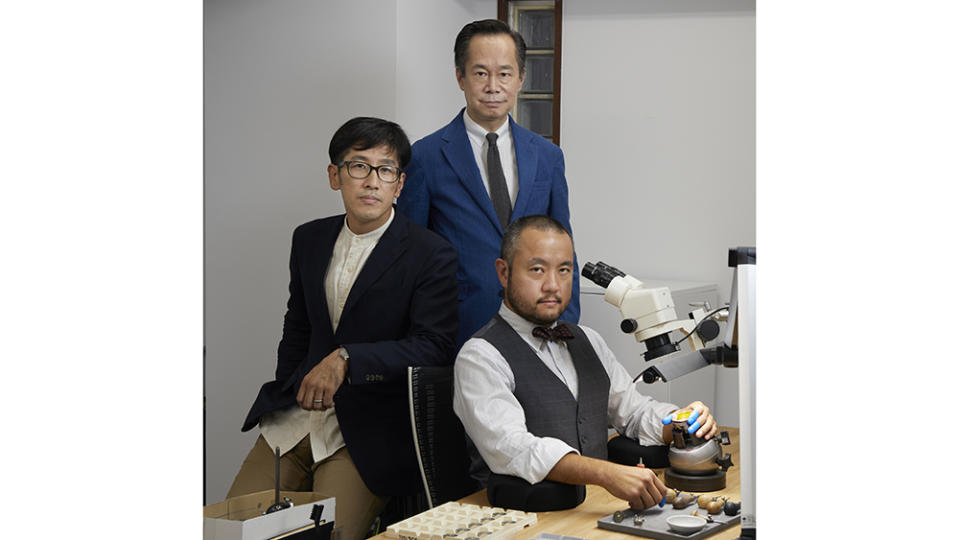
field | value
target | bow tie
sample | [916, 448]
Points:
[557, 333]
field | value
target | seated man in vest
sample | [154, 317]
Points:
[516, 378]
[371, 293]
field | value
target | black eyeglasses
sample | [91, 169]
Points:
[360, 170]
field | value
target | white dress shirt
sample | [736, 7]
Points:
[477, 136]
[288, 427]
[493, 418]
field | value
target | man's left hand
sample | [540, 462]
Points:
[319, 385]
[704, 426]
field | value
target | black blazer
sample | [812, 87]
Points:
[401, 312]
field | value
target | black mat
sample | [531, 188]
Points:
[655, 525]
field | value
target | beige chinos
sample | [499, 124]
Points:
[336, 476]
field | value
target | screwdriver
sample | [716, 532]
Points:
[662, 503]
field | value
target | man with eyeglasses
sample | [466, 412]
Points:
[471, 178]
[371, 293]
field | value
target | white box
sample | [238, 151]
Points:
[241, 518]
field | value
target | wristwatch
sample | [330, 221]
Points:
[345, 355]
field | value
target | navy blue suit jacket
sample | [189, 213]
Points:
[400, 312]
[444, 192]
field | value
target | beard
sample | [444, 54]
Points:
[527, 310]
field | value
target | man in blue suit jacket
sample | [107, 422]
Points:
[370, 294]
[451, 184]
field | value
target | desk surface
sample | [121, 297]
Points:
[581, 521]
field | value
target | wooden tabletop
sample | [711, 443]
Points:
[581, 521]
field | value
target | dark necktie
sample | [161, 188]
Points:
[557, 333]
[497, 182]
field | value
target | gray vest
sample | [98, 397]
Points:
[550, 408]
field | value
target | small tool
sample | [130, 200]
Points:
[683, 500]
[278, 505]
[662, 503]
[707, 517]
[715, 506]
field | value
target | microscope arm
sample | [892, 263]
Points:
[675, 365]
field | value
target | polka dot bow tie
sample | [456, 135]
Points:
[557, 333]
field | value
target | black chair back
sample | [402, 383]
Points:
[438, 435]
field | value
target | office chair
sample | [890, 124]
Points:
[438, 435]
[626, 451]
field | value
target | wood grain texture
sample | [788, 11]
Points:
[581, 521]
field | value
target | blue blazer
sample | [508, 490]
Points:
[444, 192]
[400, 312]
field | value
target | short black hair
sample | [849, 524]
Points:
[365, 132]
[513, 231]
[486, 27]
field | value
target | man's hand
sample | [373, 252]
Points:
[319, 385]
[704, 426]
[640, 487]
[636, 485]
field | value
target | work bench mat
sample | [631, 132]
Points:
[655, 525]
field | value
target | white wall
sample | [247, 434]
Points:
[658, 128]
[427, 96]
[280, 77]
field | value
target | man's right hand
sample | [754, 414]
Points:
[319, 385]
[640, 487]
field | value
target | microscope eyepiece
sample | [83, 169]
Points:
[601, 273]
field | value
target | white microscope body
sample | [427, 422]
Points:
[651, 311]
[650, 315]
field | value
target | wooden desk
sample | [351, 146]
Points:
[581, 521]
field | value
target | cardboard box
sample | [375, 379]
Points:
[241, 518]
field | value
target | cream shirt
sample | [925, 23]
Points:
[477, 136]
[493, 418]
[288, 427]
